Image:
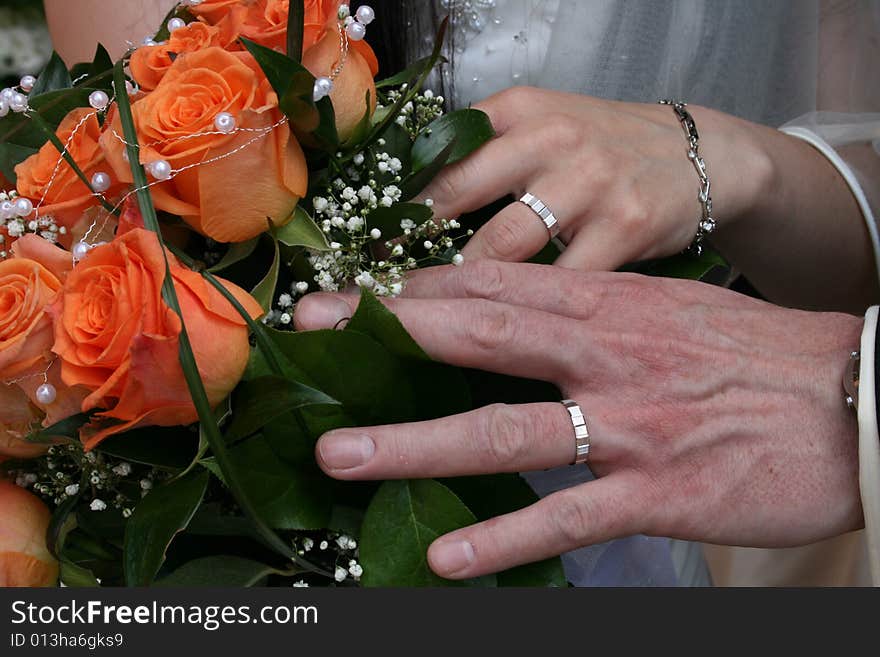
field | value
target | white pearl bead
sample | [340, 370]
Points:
[99, 100]
[160, 169]
[4, 108]
[27, 82]
[101, 182]
[80, 250]
[46, 393]
[365, 14]
[175, 24]
[18, 102]
[131, 88]
[7, 210]
[323, 87]
[356, 31]
[23, 206]
[224, 122]
[149, 41]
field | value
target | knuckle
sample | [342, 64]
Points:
[506, 436]
[561, 133]
[504, 237]
[516, 96]
[491, 327]
[570, 518]
[633, 213]
[482, 279]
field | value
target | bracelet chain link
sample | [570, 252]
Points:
[706, 225]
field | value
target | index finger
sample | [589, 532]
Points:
[479, 334]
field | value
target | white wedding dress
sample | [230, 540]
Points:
[780, 62]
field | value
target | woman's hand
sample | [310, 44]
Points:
[713, 416]
[618, 179]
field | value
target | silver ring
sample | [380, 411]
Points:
[543, 212]
[581, 434]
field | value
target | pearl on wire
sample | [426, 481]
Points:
[99, 100]
[365, 14]
[225, 123]
[101, 182]
[80, 250]
[175, 24]
[27, 83]
[4, 108]
[356, 31]
[160, 169]
[323, 87]
[18, 102]
[46, 393]
[23, 206]
[7, 210]
[131, 88]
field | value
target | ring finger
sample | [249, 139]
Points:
[493, 439]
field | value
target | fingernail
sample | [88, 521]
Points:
[321, 311]
[343, 451]
[450, 557]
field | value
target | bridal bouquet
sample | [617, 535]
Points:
[161, 217]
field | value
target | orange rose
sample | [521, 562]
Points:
[150, 63]
[265, 22]
[18, 417]
[116, 337]
[215, 10]
[28, 284]
[25, 559]
[239, 193]
[354, 81]
[66, 197]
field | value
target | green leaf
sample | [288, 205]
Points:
[388, 219]
[286, 497]
[100, 65]
[294, 85]
[74, 576]
[52, 107]
[468, 129]
[237, 252]
[302, 231]
[372, 318]
[66, 428]
[411, 72]
[11, 155]
[259, 401]
[167, 448]
[53, 77]
[684, 265]
[417, 181]
[223, 570]
[373, 385]
[362, 129]
[402, 521]
[264, 292]
[63, 521]
[156, 520]
[295, 28]
[495, 495]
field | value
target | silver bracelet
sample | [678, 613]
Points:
[706, 224]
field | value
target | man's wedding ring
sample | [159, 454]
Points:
[543, 212]
[581, 434]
